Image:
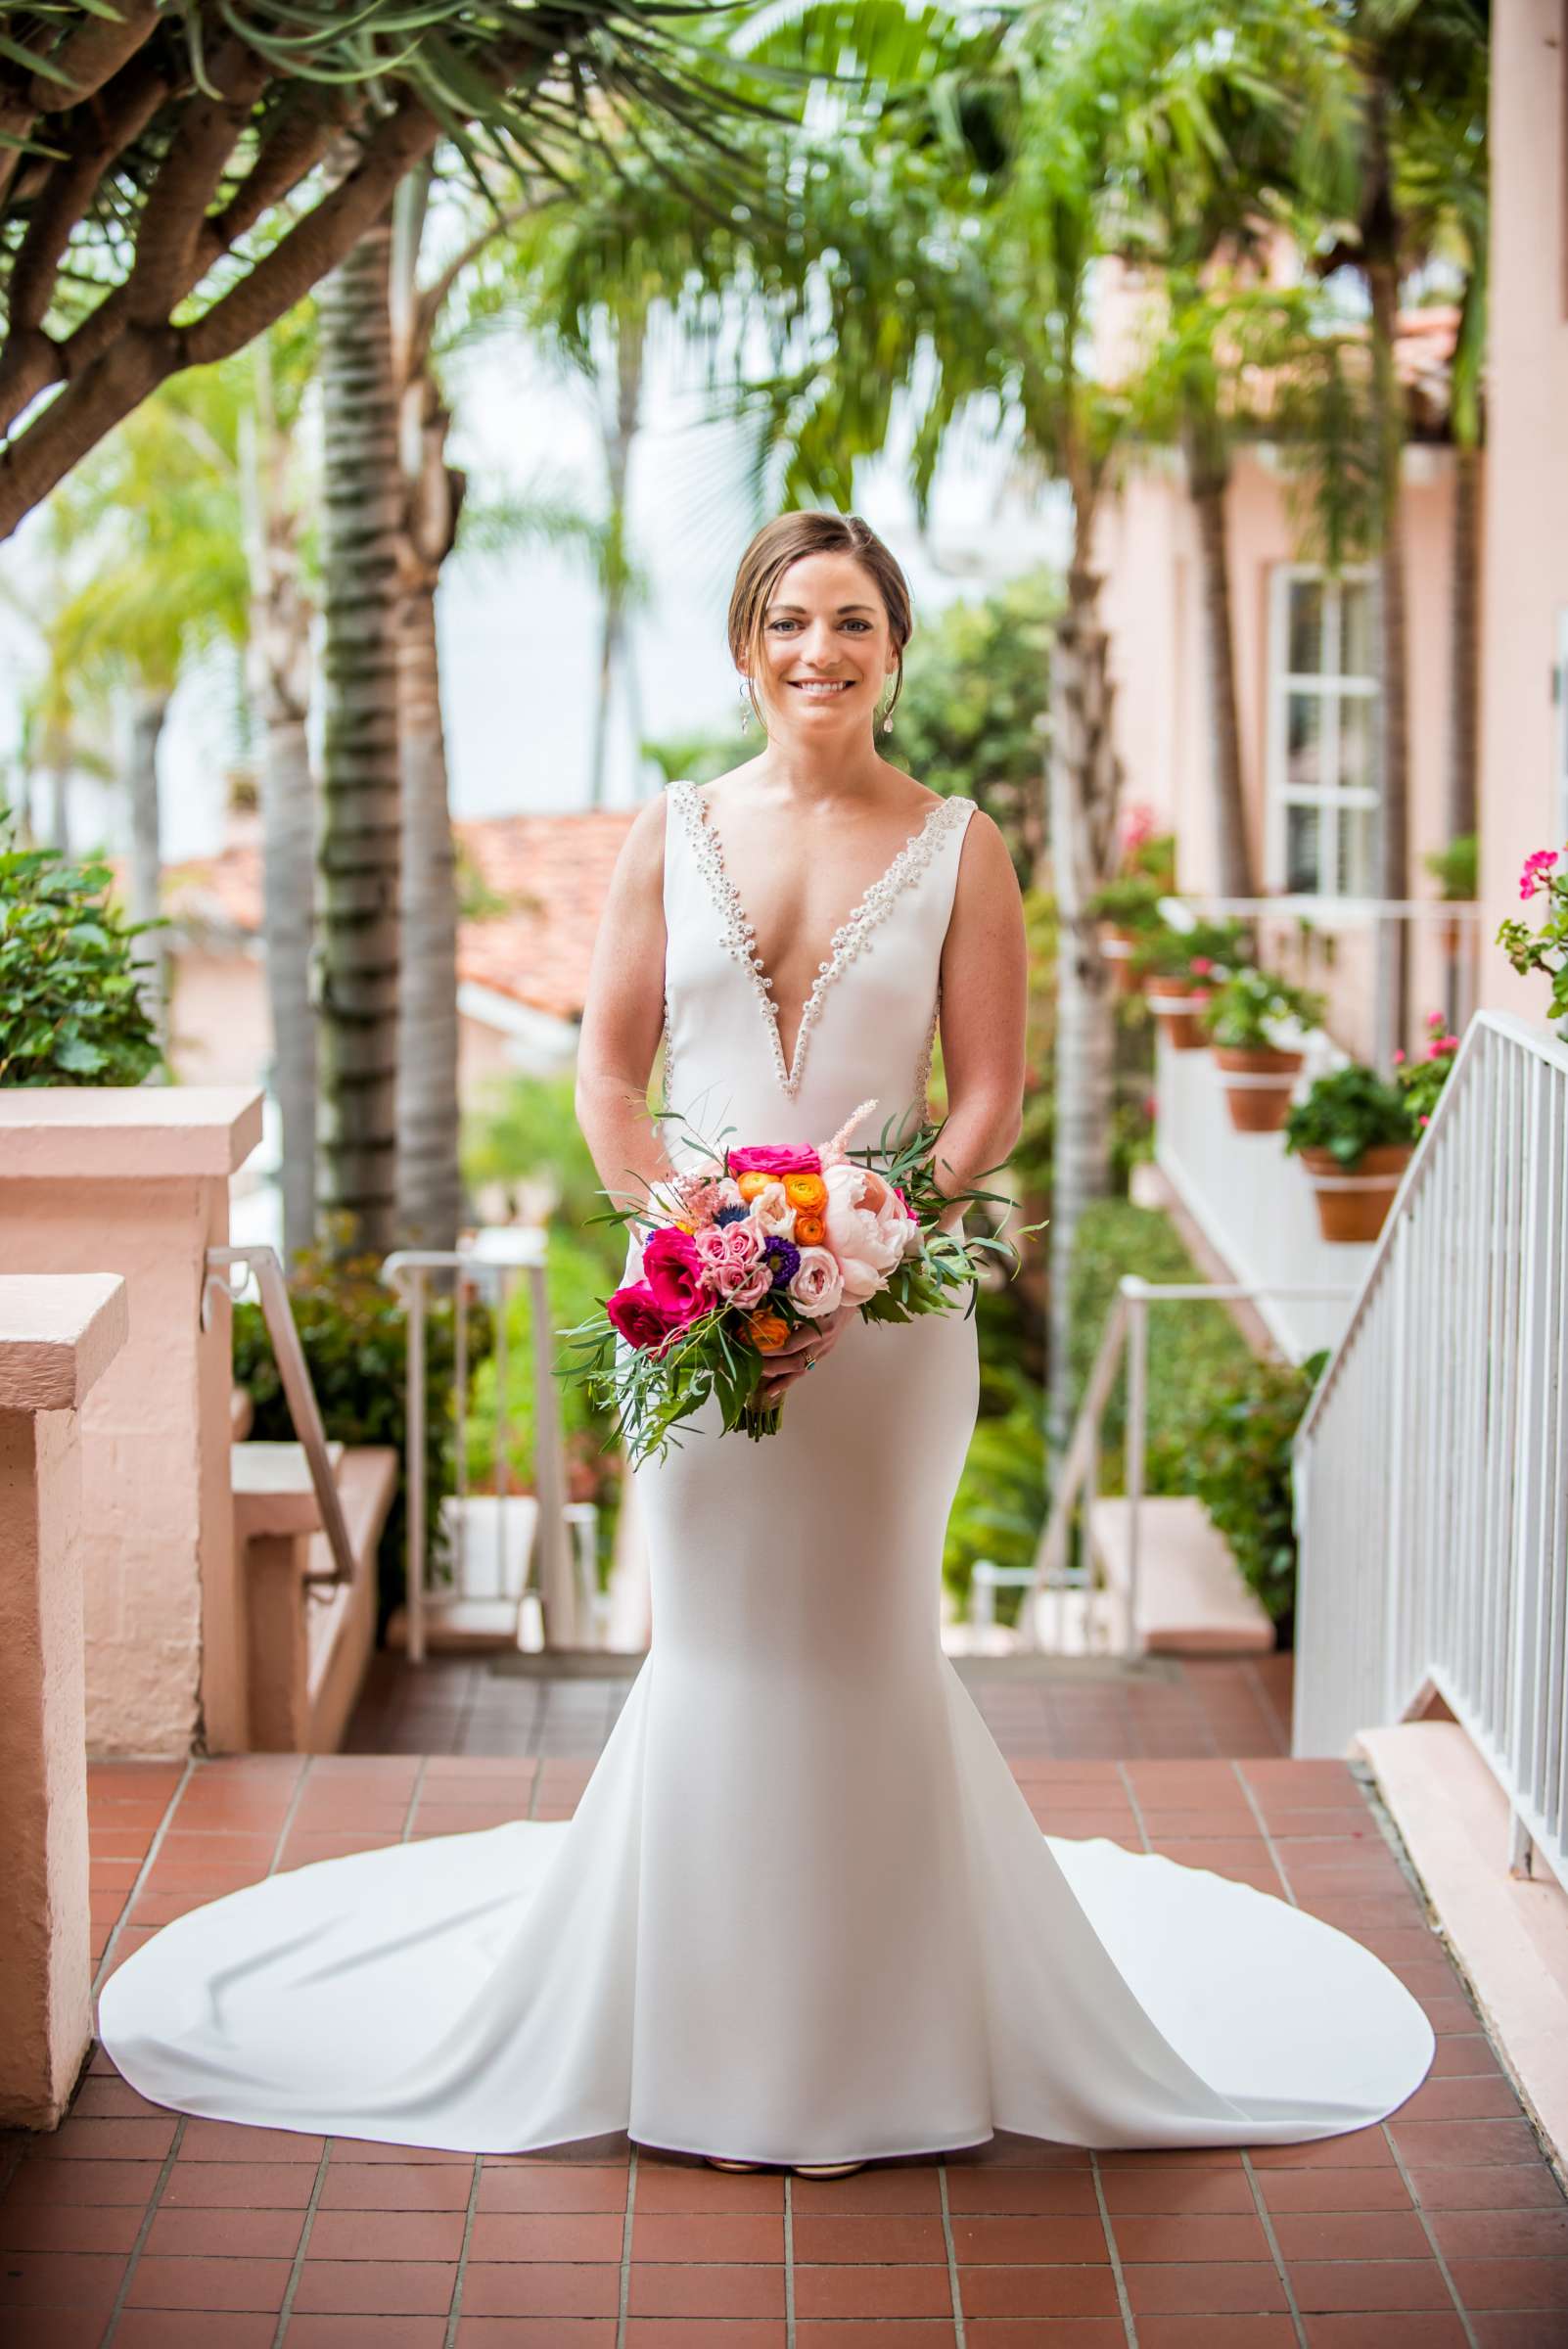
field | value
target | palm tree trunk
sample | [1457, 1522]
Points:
[360, 814]
[1086, 786]
[146, 855]
[618, 438]
[278, 682]
[430, 1189]
[58, 817]
[1394, 841]
[1238, 873]
[428, 1179]
[1464, 643]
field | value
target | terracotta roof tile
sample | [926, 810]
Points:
[551, 874]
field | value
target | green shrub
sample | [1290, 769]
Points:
[526, 1136]
[1194, 1350]
[353, 1330]
[1206, 948]
[1347, 1113]
[577, 1282]
[1421, 1080]
[1240, 1457]
[69, 1013]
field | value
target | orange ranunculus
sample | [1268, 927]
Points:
[749, 1185]
[805, 1190]
[768, 1330]
[810, 1231]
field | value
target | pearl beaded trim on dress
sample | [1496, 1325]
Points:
[850, 937]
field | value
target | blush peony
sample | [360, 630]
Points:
[866, 1227]
[816, 1286]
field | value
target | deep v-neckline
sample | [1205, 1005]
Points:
[847, 940]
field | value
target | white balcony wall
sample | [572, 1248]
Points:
[1251, 1201]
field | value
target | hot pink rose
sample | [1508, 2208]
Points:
[776, 1158]
[640, 1319]
[674, 1271]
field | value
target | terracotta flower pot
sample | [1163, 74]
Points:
[1257, 1085]
[1352, 1203]
[1117, 946]
[1176, 1007]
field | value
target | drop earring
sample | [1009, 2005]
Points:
[746, 703]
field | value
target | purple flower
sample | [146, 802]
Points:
[731, 1215]
[785, 1259]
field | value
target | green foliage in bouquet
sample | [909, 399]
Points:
[1240, 1462]
[1245, 1009]
[1347, 1113]
[69, 1013]
[354, 1332]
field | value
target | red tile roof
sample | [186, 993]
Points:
[550, 872]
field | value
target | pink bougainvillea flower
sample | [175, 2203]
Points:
[1200, 966]
[1398, 1060]
[1434, 1019]
[1536, 869]
[1427, 1121]
[1138, 826]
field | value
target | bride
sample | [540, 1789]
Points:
[803, 1915]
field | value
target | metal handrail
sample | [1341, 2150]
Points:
[263, 1264]
[487, 1265]
[1127, 1332]
[1532, 1039]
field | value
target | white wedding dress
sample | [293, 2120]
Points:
[802, 1912]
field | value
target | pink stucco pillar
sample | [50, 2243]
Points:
[57, 1340]
[135, 1181]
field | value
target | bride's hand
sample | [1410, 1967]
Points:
[803, 1347]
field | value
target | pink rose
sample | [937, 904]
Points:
[733, 1263]
[637, 1313]
[866, 1226]
[674, 1271]
[776, 1158]
[816, 1286]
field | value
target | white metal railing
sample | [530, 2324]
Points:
[1058, 1613]
[564, 1535]
[1432, 1464]
[263, 1265]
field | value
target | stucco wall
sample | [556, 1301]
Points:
[1149, 553]
[1526, 578]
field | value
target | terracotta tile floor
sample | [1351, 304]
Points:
[145, 2229]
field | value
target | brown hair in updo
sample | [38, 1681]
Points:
[787, 541]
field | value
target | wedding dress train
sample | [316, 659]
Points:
[803, 1912]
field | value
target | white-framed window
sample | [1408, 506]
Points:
[1324, 760]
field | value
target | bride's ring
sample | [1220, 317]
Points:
[810, 1361]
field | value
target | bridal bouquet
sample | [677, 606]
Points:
[754, 1244]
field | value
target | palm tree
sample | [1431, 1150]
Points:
[1420, 60]
[1273, 108]
[359, 837]
[279, 560]
[151, 527]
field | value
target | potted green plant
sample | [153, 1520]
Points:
[1128, 908]
[1353, 1137]
[1243, 1018]
[1178, 970]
